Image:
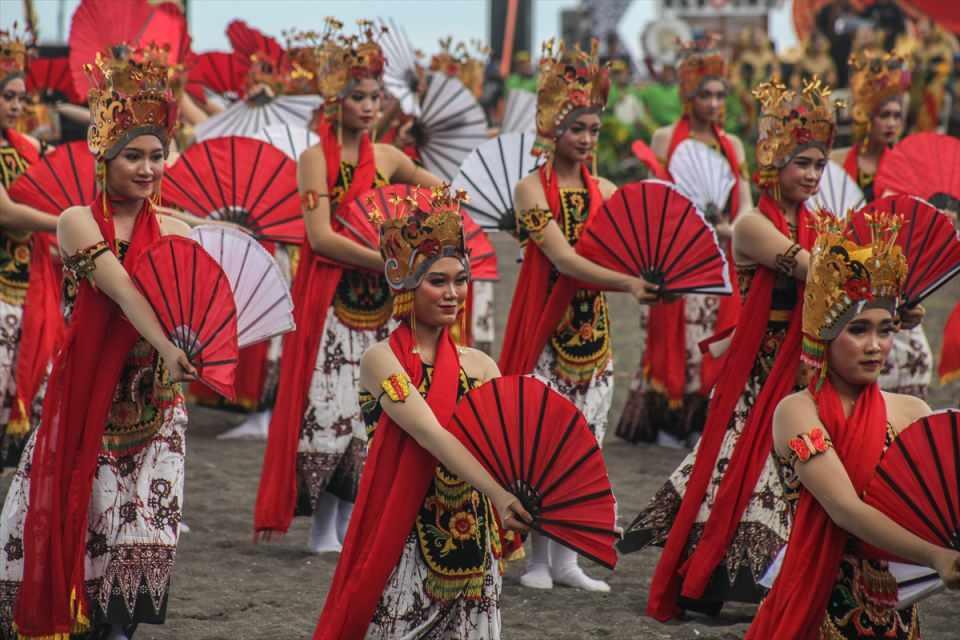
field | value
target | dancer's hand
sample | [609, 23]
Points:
[643, 291]
[179, 365]
[947, 564]
[512, 514]
[911, 317]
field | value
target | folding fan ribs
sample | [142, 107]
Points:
[927, 237]
[240, 180]
[923, 164]
[704, 176]
[451, 125]
[356, 218]
[400, 76]
[64, 178]
[538, 446]
[220, 72]
[190, 295]
[650, 230]
[837, 194]
[51, 76]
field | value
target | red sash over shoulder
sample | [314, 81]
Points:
[52, 598]
[395, 481]
[314, 287]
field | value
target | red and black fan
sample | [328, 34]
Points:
[248, 42]
[649, 159]
[927, 237]
[649, 229]
[538, 446]
[924, 164]
[66, 177]
[358, 225]
[917, 483]
[191, 296]
[98, 25]
[51, 77]
[240, 180]
[220, 72]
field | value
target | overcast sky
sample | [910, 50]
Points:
[425, 21]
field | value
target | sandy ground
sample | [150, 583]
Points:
[225, 588]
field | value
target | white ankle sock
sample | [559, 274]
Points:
[538, 568]
[344, 510]
[323, 533]
[565, 570]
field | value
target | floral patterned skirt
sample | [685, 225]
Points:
[483, 312]
[133, 525]
[12, 440]
[592, 397]
[333, 436]
[909, 367]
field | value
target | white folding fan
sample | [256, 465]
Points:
[292, 140]
[491, 173]
[400, 76]
[451, 125]
[520, 112]
[702, 175]
[262, 296]
[247, 117]
[838, 192]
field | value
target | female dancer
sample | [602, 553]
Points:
[879, 83]
[668, 400]
[29, 297]
[317, 441]
[828, 441]
[422, 554]
[100, 485]
[721, 516]
[568, 344]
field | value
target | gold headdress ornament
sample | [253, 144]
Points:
[130, 96]
[456, 62]
[346, 59]
[789, 123]
[845, 278]
[14, 55]
[306, 59]
[700, 61]
[876, 79]
[568, 82]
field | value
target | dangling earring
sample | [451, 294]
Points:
[156, 198]
[101, 174]
[464, 337]
[340, 122]
[413, 330]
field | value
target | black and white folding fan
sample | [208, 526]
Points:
[520, 112]
[490, 174]
[400, 75]
[838, 193]
[451, 125]
[290, 139]
[704, 176]
[247, 117]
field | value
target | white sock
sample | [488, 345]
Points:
[566, 571]
[538, 568]
[117, 633]
[323, 533]
[344, 510]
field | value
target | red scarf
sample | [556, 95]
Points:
[797, 604]
[852, 167]
[529, 328]
[394, 483]
[673, 576]
[52, 598]
[314, 286]
[41, 327]
[665, 354]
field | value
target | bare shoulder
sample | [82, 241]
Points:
[795, 414]
[387, 158]
[903, 410]
[529, 192]
[313, 156]
[73, 216]
[170, 226]
[477, 364]
[749, 220]
[76, 229]
[377, 352]
[737, 146]
[607, 188]
[660, 140]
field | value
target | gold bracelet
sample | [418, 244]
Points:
[396, 386]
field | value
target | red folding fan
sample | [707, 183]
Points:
[191, 296]
[949, 369]
[51, 76]
[927, 237]
[63, 178]
[355, 216]
[538, 446]
[649, 229]
[923, 165]
[242, 180]
[248, 41]
[100, 24]
[220, 72]
[917, 483]
[649, 159]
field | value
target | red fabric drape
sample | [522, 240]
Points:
[394, 483]
[23, 145]
[943, 13]
[949, 369]
[673, 576]
[313, 289]
[853, 169]
[529, 326]
[52, 598]
[797, 604]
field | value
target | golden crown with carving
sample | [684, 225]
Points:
[569, 80]
[456, 62]
[791, 121]
[844, 277]
[14, 55]
[876, 79]
[130, 96]
[419, 233]
[699, 61]
[343, 60]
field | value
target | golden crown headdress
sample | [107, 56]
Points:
[569, 80]
[876, 79]
[130, 95]
[845, 278]
[456, 61]
[700, 60]
[791, 121]
[14, 55]
[345, 59]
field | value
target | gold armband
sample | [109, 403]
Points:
[808, 445]
[532, 222]
[310, 199]
[397, 387]
[82, 264]
[787, 261]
